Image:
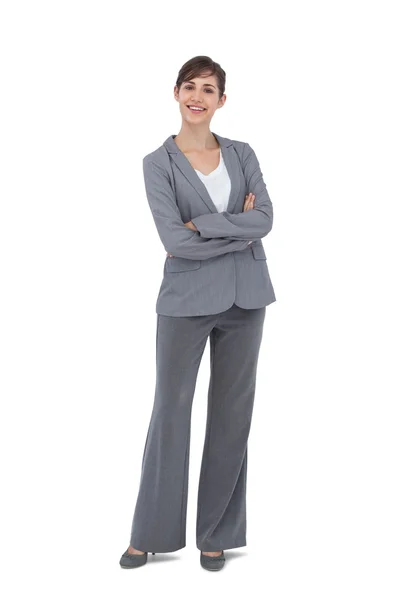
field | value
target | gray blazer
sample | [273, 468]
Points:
[214, 267]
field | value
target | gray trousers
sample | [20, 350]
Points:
[159, 521]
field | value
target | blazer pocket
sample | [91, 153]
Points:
[258, 251]
[177, 264]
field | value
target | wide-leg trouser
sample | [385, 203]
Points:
[159, 521]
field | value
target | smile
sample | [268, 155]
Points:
[194, 109]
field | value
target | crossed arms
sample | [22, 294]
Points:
[217, 233]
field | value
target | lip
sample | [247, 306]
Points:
[196, 111]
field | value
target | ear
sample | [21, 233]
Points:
[222, 100]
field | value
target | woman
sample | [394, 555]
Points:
[211, 209]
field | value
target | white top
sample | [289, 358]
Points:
[218, 184]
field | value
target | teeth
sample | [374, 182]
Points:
[196, 108]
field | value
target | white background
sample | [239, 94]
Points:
[87, 91]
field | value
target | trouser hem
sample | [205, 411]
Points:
[157, 549]
[209, 548]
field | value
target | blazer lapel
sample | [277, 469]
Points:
[228, 150]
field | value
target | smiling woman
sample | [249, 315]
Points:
[209, 202]
[199, 89]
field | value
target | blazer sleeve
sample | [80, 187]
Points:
[248, 225]
[176, 238]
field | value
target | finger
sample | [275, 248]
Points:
[250, 202]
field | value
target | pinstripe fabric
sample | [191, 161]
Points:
[159, 521]
[214, 267]
[214, 287]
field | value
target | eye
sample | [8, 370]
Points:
[207, 89]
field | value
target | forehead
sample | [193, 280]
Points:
[210, 80]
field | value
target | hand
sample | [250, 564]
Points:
[191, 226]
[249, 202]
[248, 205]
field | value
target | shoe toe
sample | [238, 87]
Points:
[212, 563]
[130, 561]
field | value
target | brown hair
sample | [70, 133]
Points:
[202, 66]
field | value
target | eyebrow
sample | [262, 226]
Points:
[203, 84]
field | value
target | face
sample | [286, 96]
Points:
[201, 92]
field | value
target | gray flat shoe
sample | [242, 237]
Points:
[212, 563]
[130, 561]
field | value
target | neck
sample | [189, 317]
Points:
[195, 138]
